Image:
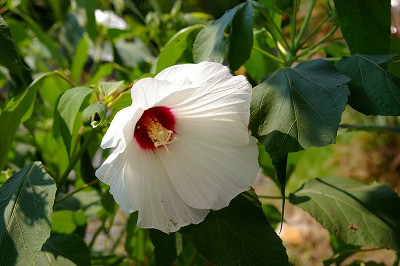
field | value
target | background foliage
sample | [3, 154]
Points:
[321, 70]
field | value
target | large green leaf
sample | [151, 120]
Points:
[211, 44]
[356, 213]
[365, 25]
[67, 117]
[298, 108]
[26, 204]
[175, 47]
[7, 46]
[63, 250]
[373, 90]
[237, 235]
[18, 110]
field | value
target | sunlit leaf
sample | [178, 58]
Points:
[237, 235]
[365, 25]
[175, 47]
[63, 250]
[356, 213]
[67, 117]
[373, 90]
[26, 204]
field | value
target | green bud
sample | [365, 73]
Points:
[93, 115]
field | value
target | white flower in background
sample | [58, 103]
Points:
[182, 147]
[108, 19]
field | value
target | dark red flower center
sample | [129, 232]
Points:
[155, 128]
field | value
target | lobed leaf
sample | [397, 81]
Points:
[26, 203]
[237, 235]
[373, 90]
[356, 213]
[298, 108]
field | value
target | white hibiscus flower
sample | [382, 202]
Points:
[182, 147]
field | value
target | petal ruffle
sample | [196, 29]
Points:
[149, 190]
[208, 175]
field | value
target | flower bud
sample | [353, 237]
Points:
[93, 115]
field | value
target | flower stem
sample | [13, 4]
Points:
[91, 183]
[312, 47]
[301, 43]
[65, 78]
[275, 32]
[304, 25]
[268, 54]
[293, 27]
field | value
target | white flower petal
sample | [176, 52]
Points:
[149, 92]
[218, 92]
[115, 132]
[149, 190]
[208, 175]
[223, 129]
[111, 172]
[194, 73]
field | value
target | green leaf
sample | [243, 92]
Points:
[356, 213]
[80, 57]
[7, 46]
[237, 235]
[164, 247]
[298, 108]
[66, 221]
[241, 36]
[25, 206]
[212, 45]
[17, 111]
[63, 250]
[373, 90]
[175, 47]
[365, 25]
[67, 116]
[108, 88]
[258, 66]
